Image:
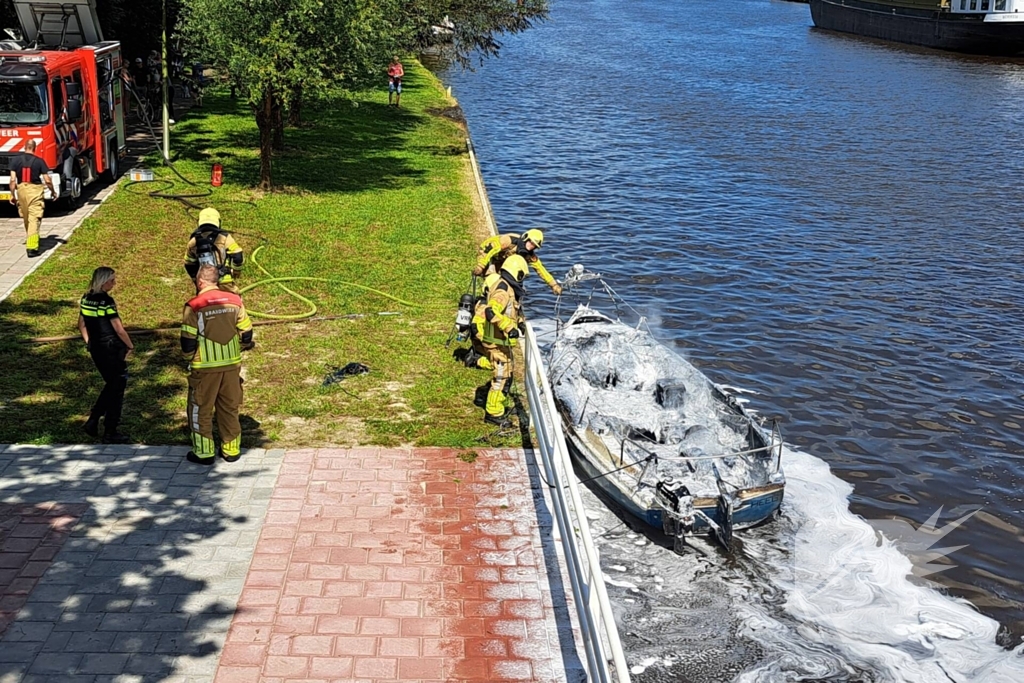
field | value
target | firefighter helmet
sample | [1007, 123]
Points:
[515, 266]
[535, 236]
[209, 217]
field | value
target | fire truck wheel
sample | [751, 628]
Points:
[113, 171]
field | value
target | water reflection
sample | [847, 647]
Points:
[830, 222]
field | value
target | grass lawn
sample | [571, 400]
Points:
[368, 194]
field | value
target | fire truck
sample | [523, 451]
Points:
[60, 85]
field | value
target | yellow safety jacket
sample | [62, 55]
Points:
[230, 257]
[214, 328]
[480, 311]
[494, 250]
[501, 315]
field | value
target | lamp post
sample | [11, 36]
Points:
[164, 80]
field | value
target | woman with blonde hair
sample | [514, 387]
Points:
[109, 346]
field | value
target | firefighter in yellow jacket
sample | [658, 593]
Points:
[494, 251]
[502, 320]
[477, 357]
[209, 245]
[215, 330]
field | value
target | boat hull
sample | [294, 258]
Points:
[754, 508]
[925, 27]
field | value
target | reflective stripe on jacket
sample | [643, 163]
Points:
[494, 250]
[214, 327]
[505, 315]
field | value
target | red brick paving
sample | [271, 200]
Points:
[30, 537]
[396, 565]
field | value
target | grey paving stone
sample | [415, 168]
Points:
[152, 664]
[166, 622]
[105, 663]
[90, 642]
[122, 622]
[135, 642]
[154, 604]
[179, 585]
[56, 663]
[27, 631]
[110, 603]
[41, 611]
[22, 653]
[78, 621]
[52, 593]
[58, 678]
[56, 642]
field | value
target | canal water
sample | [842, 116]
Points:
[832, 226]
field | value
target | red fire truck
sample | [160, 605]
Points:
[60, 86]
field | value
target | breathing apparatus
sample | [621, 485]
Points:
[463, 317]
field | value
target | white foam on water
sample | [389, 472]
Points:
[848, 601]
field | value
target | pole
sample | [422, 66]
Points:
[164, 79]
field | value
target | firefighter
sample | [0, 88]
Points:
[502, 321]
[209, 245]
[476, 356]
[29, 175]
[215, 330]
[494, 251]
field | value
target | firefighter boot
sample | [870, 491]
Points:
[494, 411]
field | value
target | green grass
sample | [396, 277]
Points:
[368, 193]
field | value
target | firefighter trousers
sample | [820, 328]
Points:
[30, 208]
[499, 355]
[220, 392]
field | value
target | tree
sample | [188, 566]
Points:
[277, 48]
[282, 51]
[467, 27]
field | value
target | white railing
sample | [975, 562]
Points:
[597, 623]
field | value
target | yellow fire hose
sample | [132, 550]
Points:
[312, 307]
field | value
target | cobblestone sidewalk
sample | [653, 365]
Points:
[130, 564]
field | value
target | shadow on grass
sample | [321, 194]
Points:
[141, 560]
[52, 406]
[341, 147]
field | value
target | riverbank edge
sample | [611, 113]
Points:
[49, 283]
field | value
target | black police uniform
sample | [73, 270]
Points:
[108, 352]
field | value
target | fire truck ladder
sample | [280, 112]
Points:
[59, 25]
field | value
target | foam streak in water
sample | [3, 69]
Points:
[849, 596]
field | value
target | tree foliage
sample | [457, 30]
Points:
[466, 27]
[281, 51]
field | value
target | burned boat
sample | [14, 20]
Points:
[653, 433]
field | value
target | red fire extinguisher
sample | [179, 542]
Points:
[217, 177]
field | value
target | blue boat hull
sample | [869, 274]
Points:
[754, 509]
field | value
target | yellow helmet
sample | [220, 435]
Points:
[209, 217]
[515, 265]
[535, 236]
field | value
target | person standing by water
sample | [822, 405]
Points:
[109, 346]
[395, 74]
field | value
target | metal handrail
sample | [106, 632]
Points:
[597, 622]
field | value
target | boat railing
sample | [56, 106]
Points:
[606, 662]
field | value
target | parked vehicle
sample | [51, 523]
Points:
[59, 86]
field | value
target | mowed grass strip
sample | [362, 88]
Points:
[369, 194]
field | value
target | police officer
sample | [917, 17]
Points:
[502, 320]
[29, 175]
[109, 346]
[215, 330]
[209, 245]
[494, 251]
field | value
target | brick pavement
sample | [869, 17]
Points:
[317, 565]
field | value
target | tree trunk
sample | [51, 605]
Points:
[295, 112]
[278, 114]
[265, 122]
